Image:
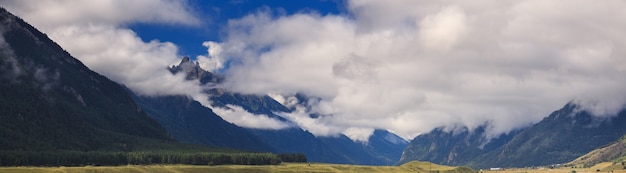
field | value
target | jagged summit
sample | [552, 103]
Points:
[194, 71]
[185, 59]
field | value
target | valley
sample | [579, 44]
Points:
[410, 167]
[285, 168]
[57, 115]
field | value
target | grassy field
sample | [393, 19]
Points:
[412, 167]
[602, 167]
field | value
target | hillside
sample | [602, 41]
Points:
[453, 147]
[51, 101]
[561, 137]
[57, 112]
[188, 121]
[608, 153]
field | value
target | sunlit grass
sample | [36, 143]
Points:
[285, 167]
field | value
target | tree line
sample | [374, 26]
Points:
[292, 157]
[98, 158]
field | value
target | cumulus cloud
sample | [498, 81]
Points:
[214, 62]
[411, 66]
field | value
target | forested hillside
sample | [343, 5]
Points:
[55, 111]
[50, 100]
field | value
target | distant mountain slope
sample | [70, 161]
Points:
[195, 126]
[605, 154]
[386, 146]
[458, 147]
[49, 100]
[561, 137]
[188, 121]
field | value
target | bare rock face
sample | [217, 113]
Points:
[193, 71]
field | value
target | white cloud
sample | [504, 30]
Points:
[442, 30]
[214, 62]
[410, 66]
[321, 126]
[359, 134]
[240, 117]
[49, 14]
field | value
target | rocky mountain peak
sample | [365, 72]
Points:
[194, 72]
[185, 59]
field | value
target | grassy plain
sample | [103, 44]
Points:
[598, 168]
[411, 167]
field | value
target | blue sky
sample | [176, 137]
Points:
[215, 15]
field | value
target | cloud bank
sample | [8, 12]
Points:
[411, 66]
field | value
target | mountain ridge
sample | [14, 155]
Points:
[562, 136]
[339, 149]
[456, 147]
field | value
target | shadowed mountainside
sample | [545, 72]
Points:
[564, 135]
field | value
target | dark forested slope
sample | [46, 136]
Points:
[50, 100]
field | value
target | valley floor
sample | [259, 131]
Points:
[412, 167]
[598, 168]
[286, 167]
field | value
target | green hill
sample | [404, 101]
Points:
[615, 151]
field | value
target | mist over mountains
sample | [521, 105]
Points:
[408, 67]
[189, 121]
[563, 136]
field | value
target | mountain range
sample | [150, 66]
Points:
[50, 101]
[559, 138]
[189, 121]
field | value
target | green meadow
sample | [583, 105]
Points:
[412, 167]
